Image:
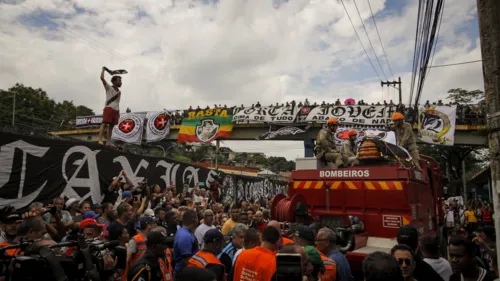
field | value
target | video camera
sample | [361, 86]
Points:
[43, 261]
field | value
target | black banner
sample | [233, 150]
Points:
[37, 169]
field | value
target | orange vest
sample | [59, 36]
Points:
[258, 264]
[202, 259]
[11, 252]
[166, 266]
[141, 248]
[286, 241]
[330, 269]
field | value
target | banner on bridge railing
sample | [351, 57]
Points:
[364, 115]
[84, 171]
[436, 124]
[266, 114]
[88, 121]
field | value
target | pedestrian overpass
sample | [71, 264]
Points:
[470, 135]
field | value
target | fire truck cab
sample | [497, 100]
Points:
[373, 199]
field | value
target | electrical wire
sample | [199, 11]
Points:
[428, 25]
[369, 40]
[359, 39]
[380, 39]
[453, 64]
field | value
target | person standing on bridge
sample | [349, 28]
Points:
[325, 148]
[111, 112]
[405, 137]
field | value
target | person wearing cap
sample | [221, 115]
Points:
[207, 258]
[349, 149]
[9, 226]
[325, 148]
[409, 236]
[73, 206]
[304, 236]
[137, 245]
[148, 267]
[91, 228]
[405, 137]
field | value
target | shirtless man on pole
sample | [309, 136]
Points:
[111, 112]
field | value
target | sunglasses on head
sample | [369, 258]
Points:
[408, 262]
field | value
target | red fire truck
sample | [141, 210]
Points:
[382, 194]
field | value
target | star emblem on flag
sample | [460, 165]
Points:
[161, 122]
[127, 126]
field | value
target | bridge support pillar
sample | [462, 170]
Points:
[309, 148]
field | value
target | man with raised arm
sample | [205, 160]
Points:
[111, 112]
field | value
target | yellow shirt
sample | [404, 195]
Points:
[471, 216]
[228, 226]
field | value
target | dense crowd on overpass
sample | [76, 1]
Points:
[467, 114]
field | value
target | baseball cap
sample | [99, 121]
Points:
[305, 232]
[156, 238]
[126, 194]
[213, 236]
[11, 218]
[314, 256]
[70, 202]
[149, 212]
[89, 221]
[145, 221]
[90, 215]
[408, 235]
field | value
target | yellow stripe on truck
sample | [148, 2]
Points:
[350, 185]
[383, 185]
[398, 185]
[369, 185]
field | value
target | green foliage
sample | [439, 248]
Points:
[462, 96]
[277, 164]
[34, 108]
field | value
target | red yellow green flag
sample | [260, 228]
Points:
[206, 125]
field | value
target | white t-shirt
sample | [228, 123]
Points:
[111, 92]
[200, 232]
[450, 217]
[237, 254]
[441, 266]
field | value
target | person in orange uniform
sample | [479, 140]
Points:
[166, 261]
[283, 240]
[405, 137]
[10, 225]
[137, 245]
[259, 263]
[148, 266]
[207, 258]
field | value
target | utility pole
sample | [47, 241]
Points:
[394, 83]
[489, 34]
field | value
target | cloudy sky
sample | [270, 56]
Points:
[200, 52]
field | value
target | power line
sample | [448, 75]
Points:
[357, 35]
[369, 40]
[380, 39]
[453, 64]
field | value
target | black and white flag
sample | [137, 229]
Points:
[282, 131]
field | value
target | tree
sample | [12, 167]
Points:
[462, 96]
[259, 159]
[34, 108]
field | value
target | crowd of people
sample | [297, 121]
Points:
[192, 236]
[466, 114]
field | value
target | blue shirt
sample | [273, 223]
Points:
[343, 267]
[185, 245]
